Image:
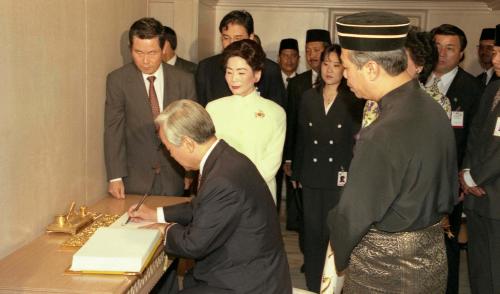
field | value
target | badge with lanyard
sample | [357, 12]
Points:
[341, 177]
[457, 117]
[496, 132]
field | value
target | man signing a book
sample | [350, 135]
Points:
[230, 228]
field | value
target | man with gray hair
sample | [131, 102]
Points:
[385, 231]
[230, 228]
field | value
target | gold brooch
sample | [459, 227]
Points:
[260, 114]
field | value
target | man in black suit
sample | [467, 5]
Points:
[484, 53]
[169, 55]
[480, 180]
[135, 161]
[210, 76]
[464, 92]
[288, 59]
[230, 228]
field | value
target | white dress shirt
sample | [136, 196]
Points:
[468, 178]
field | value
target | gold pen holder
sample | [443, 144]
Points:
[70, 223]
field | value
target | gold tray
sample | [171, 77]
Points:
[77, 240]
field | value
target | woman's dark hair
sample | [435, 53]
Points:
[248, 50]
[334, 48]
[422, 51]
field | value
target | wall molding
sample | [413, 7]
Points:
[364, 4]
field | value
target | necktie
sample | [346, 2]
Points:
[434, 86]
[153, 99]
[370, 113]
[496, 99]
[484, 76]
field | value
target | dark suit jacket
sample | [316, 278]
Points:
[211, 82]
[464, 94]
[231, 228]
[483, 156]
[325, 143]
[132, 148]
[296, 87]
[480, 78]
[185, 65]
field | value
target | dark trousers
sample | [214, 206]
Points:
[293, 213]
[453, 250]
[483, 252]
[317, 203]
[168, 282]
[192, 286]
[279, 185]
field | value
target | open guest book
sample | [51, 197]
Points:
[117, 250]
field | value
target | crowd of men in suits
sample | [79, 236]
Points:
[137, 162]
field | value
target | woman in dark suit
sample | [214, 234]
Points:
[329, 118]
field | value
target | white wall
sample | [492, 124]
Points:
[275, 20]
[55, 58]
[182, 17]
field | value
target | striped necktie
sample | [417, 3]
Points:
[153, 99]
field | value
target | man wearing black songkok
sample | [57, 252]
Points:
[480, 180]
[485, 51]
[385, 232]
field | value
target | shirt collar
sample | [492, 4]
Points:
[489, 74]
[284, 75]
[172, 60]
[204, 159]
[253, 94]
[445, 82]
[158, 74]
[314, 77]
[287, 78]
[395, 96]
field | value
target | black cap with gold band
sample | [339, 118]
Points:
[373, 31]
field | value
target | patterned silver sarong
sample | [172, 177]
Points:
[405, 262]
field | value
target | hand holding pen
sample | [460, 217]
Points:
[141, 211]
[136, 208]
[135, 211]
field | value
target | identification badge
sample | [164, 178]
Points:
[457, 119]
[496, 132]
[341, 178]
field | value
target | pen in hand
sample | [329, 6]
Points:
[137, 207]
